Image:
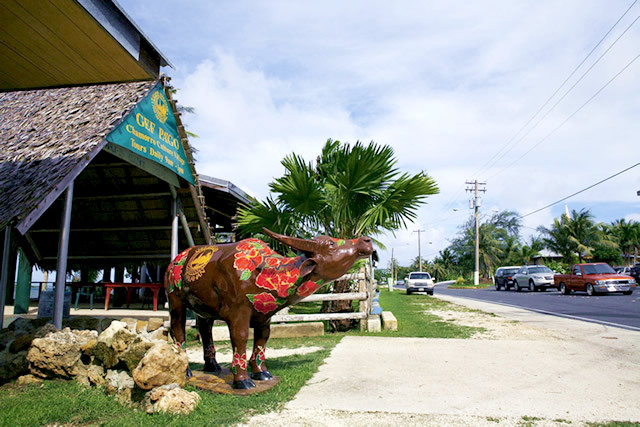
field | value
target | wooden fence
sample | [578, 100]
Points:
[366, 290]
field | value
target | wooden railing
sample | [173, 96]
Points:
[364, 295]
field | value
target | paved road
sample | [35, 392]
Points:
[613, 309]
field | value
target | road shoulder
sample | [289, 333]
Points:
[545, 371]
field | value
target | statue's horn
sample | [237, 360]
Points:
[303, 245]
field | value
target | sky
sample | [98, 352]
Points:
[452, 87]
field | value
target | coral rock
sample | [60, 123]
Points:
[163, 364]
[155, 323]
[171, 398]
[58, 354]
[28, 379]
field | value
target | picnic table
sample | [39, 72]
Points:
[155, 287]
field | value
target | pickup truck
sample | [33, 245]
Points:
[419, 281]
[594, 279]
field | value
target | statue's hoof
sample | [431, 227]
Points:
[189, 374]
[243, 384]
[261, 376]
[212, 366]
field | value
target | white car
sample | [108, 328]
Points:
[419, 281]
[534, 277]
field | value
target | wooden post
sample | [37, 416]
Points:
[362, 287]
[23, 285]
[61, 265]
[4, 271]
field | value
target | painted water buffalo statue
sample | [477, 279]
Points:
[244, 284]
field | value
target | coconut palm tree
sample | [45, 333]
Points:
[556, 238]
[627, 234]
[576, 236]
[525, 253]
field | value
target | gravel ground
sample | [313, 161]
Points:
[527, 369]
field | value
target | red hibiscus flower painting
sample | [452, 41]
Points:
[278, 279]
[287, 279]
[239, 361]
[273, 261]
[175, 279]
[264, 302]
[268, 279]
[307, 288]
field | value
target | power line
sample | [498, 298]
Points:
[568, 118]
[581, 191]
[568, 91]
[490, 162]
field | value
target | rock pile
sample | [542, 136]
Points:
[15, 341]
[131, 359]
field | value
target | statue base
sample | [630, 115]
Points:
[222, 381]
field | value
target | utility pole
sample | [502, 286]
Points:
[475, 203]
[419, 254]
[393, 263]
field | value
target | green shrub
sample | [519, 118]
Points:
[558, 266]
[460, 281]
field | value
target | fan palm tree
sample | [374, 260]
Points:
[349, 191]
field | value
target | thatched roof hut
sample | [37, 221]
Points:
[122, 203]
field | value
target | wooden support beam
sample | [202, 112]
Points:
[108, 229]
[124, 196]
[164, 255]
[34, 248]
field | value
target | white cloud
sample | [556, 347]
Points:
[447, 85]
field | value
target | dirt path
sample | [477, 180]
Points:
[526, 369]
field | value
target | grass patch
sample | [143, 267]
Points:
[470, 286]
[414, 322]
[67, 402]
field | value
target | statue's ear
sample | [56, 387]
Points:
[307, 266]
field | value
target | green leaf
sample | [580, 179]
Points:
[245, 275]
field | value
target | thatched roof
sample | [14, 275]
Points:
[47, 134]
[122, 212]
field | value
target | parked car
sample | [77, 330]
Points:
[594, 279]
[504, 277]
[623, 270]
[533, 277]
[635, 272]
[419, 281]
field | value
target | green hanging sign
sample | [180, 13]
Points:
[150, 130]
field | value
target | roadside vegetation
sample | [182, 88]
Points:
[576, 237]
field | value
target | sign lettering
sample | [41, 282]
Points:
[151, 132]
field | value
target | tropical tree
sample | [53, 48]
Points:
[556, 238]
[627, 235]
[347, 192]
[499, 232]
[415, 264]
[438, 270]
[525, 253]
[577, 236]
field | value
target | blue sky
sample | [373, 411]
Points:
[446, 84]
